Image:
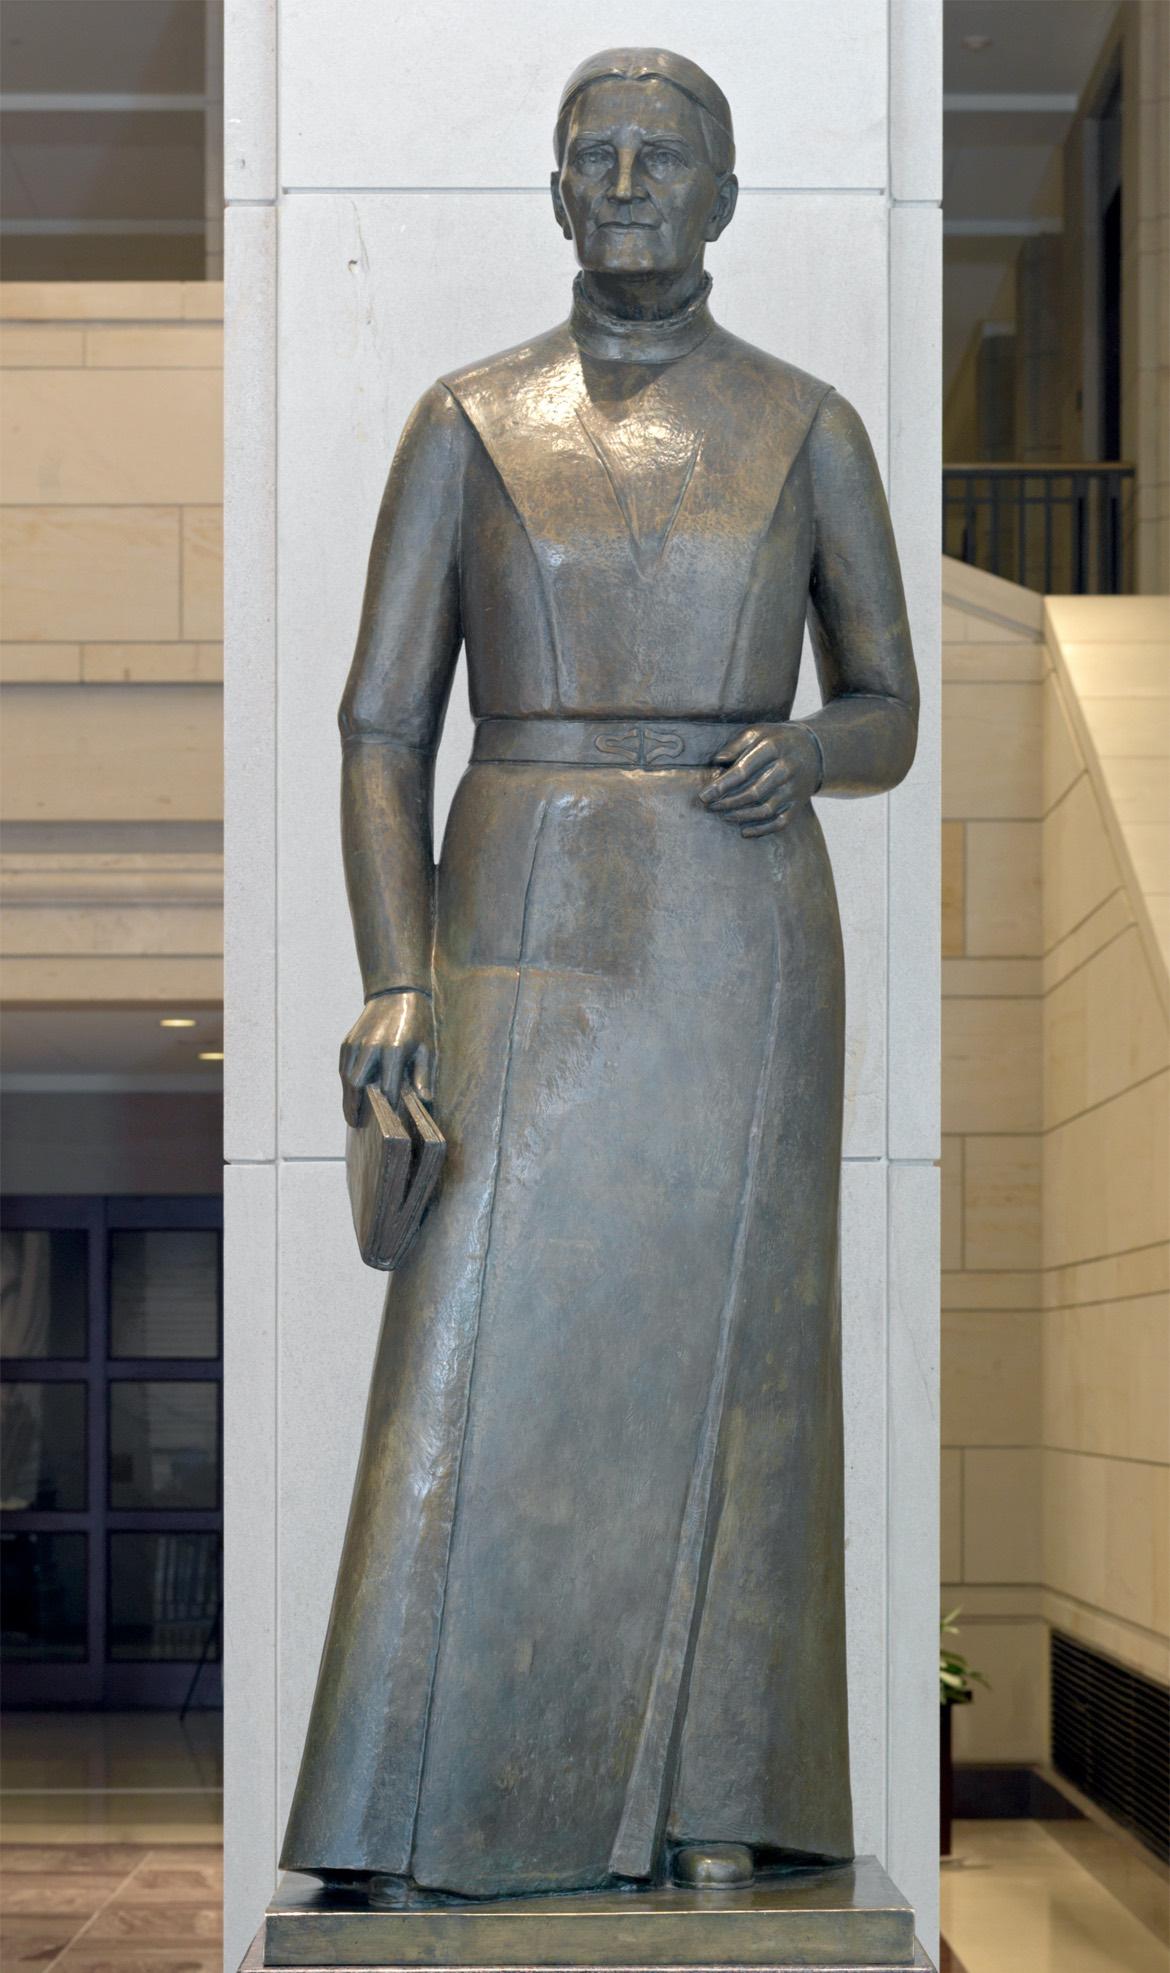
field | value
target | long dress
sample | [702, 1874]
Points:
[591, 1597]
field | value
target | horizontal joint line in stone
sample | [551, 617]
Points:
[511, 191]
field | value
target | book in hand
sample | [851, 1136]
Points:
[392, 1163]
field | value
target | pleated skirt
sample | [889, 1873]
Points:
[590, 1601]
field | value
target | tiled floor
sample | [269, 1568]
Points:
[111, 1908]
[110, 1862]
[1021, 1902]
[110, 1843]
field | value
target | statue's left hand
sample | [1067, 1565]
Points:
[772, 769]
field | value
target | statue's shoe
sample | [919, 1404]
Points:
[713, 1866]
[383, 1892]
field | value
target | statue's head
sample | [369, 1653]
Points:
[645, 157]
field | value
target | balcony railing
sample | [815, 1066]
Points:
[1062, 529]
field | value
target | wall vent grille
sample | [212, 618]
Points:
[1111, 1739]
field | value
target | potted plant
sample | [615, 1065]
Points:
[956, 1687]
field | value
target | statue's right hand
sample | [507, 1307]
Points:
[393, 1036]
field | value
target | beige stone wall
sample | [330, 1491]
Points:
[1105, 1397]
[111, 627]
[992, 1106]
[1055, 1387]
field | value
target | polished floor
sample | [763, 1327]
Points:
[111, 1862]
[110, 1843]
[1023, 1900]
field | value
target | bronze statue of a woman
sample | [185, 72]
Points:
[589, 1625]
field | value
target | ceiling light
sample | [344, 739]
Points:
[211, 1054]
[976, 44]
[177, 1021]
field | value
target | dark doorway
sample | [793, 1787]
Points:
[111, 1495]
[1109, 221]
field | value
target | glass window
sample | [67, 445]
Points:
[164, 1595]
[164, 1293]
[42, 1447]
[43, 1595]
[42, 1292]
[164, 1444]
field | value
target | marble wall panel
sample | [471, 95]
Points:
[131, 755]
[1001, 1202]
[950, 1547]
[250, 687]
[156, 346]
[954, 889]
[1105, 1029]
[913, 874]
[990, 1377]
[1107, 1535]
[250, 1524]
[52, 346]
[991, 1065]
[1002, 1522]
[89, 572]
[991, 752]
[1107, 1378]
[202, 572]
[1107, 1177]
[101, 437]
[495, 131]
[1003, 888]
[1008, 1720]
[912, 1390]
[1080, 868]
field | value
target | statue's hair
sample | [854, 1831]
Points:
[649, 64]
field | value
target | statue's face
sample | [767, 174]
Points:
[635, 190]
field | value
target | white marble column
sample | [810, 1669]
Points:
[388, 219]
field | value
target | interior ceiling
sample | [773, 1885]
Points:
[1000, 164]
[125, 1045]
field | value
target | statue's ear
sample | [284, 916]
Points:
[554, 182]
[725, 202]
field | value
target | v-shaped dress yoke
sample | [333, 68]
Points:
[591, 1597]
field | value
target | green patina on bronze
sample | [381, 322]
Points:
[589, 1623]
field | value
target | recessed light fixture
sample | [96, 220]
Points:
[177, 1021]
[976, 44]
[211, 1054]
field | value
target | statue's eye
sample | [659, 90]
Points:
[660, 157]
[593, 157]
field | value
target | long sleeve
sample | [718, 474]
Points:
[867, 728]
[396, 696]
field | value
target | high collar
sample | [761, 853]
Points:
[616, 339]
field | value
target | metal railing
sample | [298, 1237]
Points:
[1062, 529]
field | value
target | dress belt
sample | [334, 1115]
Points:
[605, 742]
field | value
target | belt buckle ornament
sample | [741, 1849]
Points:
[659, 744]
[625, 745]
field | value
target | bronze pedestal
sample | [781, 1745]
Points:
[850, 1918]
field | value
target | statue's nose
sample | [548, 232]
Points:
[623, 189]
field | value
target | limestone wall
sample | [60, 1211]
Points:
[111, 661]
[1056, 1119]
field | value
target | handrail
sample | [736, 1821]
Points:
[1031, 467]
[1049, 524]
